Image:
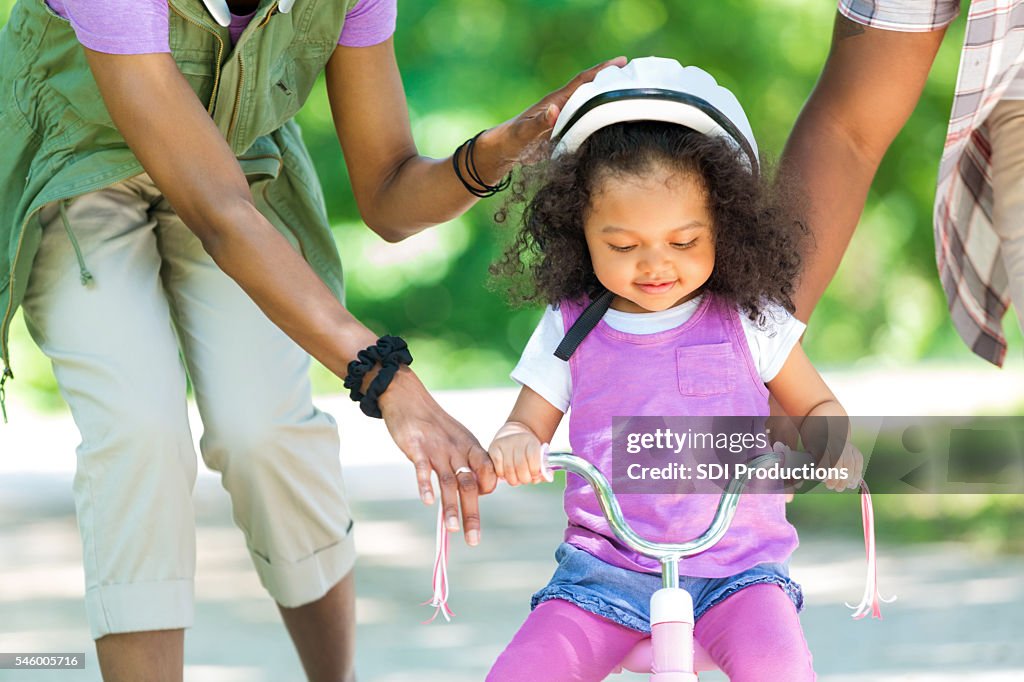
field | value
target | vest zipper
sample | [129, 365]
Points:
[266, 19]
[220, 54]
[84, 272]
[238, 98]
[241, 78]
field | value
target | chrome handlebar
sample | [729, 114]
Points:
[668, 553]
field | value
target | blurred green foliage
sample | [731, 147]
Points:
[468, 64]
[988, 523]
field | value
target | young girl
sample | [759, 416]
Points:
[653, 206]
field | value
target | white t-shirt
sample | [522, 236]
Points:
[550, 377]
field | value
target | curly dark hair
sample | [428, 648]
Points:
[758, 240]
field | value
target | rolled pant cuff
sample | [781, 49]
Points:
[138, 607]
[309, 579]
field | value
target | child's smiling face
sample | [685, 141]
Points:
[650, 238]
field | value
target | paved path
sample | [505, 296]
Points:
[959, 615]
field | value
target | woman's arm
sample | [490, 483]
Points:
[178, 144]
[515, 450]
[823, 423]
[399, 192]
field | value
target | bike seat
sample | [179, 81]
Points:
[638, 660]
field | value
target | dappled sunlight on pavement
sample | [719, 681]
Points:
[956, 610]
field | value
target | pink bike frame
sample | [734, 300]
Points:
[670, 655]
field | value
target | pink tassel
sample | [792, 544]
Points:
[869, 603]
[440, 599]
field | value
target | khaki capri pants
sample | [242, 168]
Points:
[114, 341]
[1006, 131]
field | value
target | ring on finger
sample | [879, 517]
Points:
[463, 470]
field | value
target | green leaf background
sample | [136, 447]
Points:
[468, 64]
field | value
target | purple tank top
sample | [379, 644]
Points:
[700, 368]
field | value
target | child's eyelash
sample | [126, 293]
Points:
[684, 245]
[676, 245]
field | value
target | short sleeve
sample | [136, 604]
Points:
[538, 367]
[117, 26]
[910, 16]
[370, 22]
[772, 342]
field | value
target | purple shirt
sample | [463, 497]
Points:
[141, 26]
[700, 368]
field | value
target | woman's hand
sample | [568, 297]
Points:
[400, 192]
[434, 442]
[517, 455]
[500, 147]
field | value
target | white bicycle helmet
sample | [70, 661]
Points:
[654, 89]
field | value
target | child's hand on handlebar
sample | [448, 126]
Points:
[852, 460]
[517, 455]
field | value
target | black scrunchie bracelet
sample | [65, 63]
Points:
[389, 352]
[478, 187]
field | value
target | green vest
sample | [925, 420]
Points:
[59, 141]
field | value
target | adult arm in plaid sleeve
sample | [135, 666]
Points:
[869, 85]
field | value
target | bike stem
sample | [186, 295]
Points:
[670, 571]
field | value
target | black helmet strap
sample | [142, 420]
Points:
[583, 325]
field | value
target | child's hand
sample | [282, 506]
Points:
[516, 455]
[853, 461]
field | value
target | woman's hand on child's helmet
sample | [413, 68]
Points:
[516, 454]
[499, 148]
[853, 462]
[435, 442]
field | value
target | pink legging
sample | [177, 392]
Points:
[753, 636]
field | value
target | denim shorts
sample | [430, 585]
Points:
[624, 597]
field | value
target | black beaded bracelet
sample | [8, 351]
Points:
[478, 187]
[389, 352]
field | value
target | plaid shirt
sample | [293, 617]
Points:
[966, 246]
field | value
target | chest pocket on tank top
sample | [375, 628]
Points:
[707, 369]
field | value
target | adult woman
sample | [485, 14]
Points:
[172, 200]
